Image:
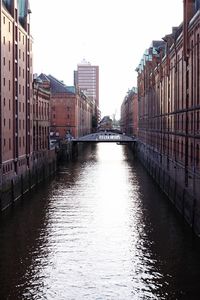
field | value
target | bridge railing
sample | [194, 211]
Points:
[105, 137]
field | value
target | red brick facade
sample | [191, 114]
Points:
[64, 108]
[15, 89]
[129, 113]
[169, 98]
[41, 114]
[71, 110]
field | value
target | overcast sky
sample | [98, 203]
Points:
[112, 34]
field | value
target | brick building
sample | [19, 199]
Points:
[15, 87]
[70, 109]
[129, 113]
[169, 103]
[41, 114]
[105, 124]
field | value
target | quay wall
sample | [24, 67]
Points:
[41, 166]
[15, 186]
[69, 150]
[170, 176]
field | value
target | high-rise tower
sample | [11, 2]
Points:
[87, 79]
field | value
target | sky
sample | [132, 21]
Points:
[112, 34]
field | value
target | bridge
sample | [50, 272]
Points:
[67, 150]
[106, 137]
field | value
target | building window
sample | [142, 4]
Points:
[178, 123]
[198, 71]
[4, 81]
[177, 149]
[9, 65]
[191, 122]
[182, 149]
[16, 32]
[191, 153]
[197, 155]
[182, 123]
[10, 146]
[4, 61]
[192, 72]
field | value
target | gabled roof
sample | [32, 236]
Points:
[43, 77]
[59, 87]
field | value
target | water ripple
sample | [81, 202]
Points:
[96, 234]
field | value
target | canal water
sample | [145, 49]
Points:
[101, 230]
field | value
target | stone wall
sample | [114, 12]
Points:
[14, 188]
[170, 178]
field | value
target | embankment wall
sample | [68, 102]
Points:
[170, 176]
[15, 186]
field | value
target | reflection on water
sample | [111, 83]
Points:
[101, 230]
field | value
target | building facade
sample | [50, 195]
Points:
[129, 113]
[15, 87]
[86, 78]
[106, 123]
[71, 110]
[25, 159]
[169, 112]
[41, 115]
